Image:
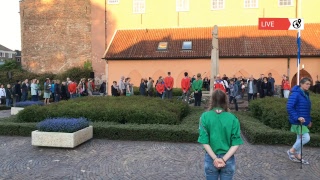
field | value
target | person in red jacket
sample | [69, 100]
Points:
[160, 88]
[72, 88]
[286, 87]
[168, 83]
[185, 86]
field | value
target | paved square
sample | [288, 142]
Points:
[106, 159]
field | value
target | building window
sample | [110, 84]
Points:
[10, 55]
[162, 46]
[113, 1]
[182, 5]
[217, 4]
[139, 6]
[187, 45]
[250, 3]
[285, 3]
[2, 54]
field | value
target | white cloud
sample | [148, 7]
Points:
[10, 33]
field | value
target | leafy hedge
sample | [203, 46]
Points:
[186, 131]
[258, 133]
[67, 125]
[134, 109]
[273, 113]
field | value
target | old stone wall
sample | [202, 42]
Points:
[56, 34]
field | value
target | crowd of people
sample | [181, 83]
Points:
[51, 91]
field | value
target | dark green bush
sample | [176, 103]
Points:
[134, 109]
[273, 112]
[258, 133]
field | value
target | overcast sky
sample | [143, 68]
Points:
[10, 35]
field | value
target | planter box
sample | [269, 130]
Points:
[15, 110]
[59, 139]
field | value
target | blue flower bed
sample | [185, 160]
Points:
[67, 125]
[29, 103]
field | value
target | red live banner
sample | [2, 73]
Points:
[274, 23]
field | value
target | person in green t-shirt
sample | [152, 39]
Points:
[197, 88]
[219, 132]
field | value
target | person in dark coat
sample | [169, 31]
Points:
[299, 110]
[57, 91]
[115, 91]
[9, 96]
[103, 89]
[64, 91]
[265, 88]
[17, 91]
[142, 88]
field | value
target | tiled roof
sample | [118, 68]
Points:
[234, 41]
[3, 48]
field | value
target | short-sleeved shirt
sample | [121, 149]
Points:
[220, 131]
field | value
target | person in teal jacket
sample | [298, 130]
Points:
[197, 88]
[219, 133]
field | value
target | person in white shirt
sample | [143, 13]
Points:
[2, 94]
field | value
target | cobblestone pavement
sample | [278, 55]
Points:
[106, 159]
[5, 113]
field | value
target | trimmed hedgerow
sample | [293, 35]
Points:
[135, 109]
[29, 103]
[186, 131]
[175, 91]
[273, 113]
[258, 133]
[67, 125]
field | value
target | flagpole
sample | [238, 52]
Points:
[298, 58]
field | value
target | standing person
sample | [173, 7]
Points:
[39, 88]
[272, 82]
[57, 91]
[265, 88]
[122, 86]
[9, 95]
[46, 91]
[103, 88]
[197, 88]
[24, 90]
[34, 90]
[52, 89]
[259, 84]
[219, 132]
[286, 88]
[160, 88]
[72, 89]
[17, 91]
[185, 86]
[64, 91]
[168, 83]
[150, 87]
[2, 94]
[220, 84]
[234, 91]
[282, 85]
[299, 109]
[142, 88]
[89, 87]
[115, 91]
[127, 85]
[252, 89]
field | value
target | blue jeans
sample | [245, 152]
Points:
[73, 96]
[8, 102]
[35, 98]
[305, 140]
[212, 173]
[24, 96]
[57, 98]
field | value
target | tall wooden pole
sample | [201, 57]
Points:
[214, 57]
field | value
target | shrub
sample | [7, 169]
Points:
[273, 113]
[258, 133]
[4, 108]
[135, 109]
[29, 103]
[68, 125]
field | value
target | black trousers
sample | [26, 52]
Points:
[197, 98]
